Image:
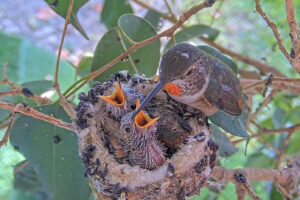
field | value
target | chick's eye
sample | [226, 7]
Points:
[133, 106]
[189, 72]
[127, 129]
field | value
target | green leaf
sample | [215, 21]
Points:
[4, 114]
[9, 157]
[259, 160]
[84, 66]
[58, 165]
[275, 194]
[137, 29]
[61, 8]
[112, 45]
[113, 10]
[294, 146]
[217, 54]
[226, 148]
[27, 181]
[26, 62]
[231, 124]
[153, 18]
[17, 194]
[194, 31]
[38, 87]
[279, 118]
[108, 48]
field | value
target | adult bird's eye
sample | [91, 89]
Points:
[127, 129]
[133, 106]
[189, 72]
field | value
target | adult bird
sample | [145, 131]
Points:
[195, 78]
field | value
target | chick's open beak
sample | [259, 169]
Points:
[142, 120]
[117, 98]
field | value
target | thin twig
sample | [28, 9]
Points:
[284, 191]
[283, 149]
[167, 33]
[164, 15]
[270, 146]
[62, 41]
[64, 103]
[274, 29]
[20, 108]
[273, 131]
[251, 86]
[17, 90]
[9, 127]
[213, 18]
[262, 105]
[262, 67]
[170, 10]
[5, 77]
[21, 167]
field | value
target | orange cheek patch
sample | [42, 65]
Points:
[173, 89]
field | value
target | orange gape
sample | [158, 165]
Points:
[173, 89]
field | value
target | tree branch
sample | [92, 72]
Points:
[274, 29]
[20, 108]
[283, 149]
[5, 78]
[21, 167]
[262, 67]
[251, 86]
[243, 186]
[262, 105]
[17, 90]
[287, 177]
[9, 127]
[167, 33]
[294, 29]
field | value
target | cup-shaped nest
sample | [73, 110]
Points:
[185, 169]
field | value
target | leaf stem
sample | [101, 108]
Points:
[120, 34]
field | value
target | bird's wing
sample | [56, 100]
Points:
[224, 92]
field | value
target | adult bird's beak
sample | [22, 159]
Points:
[142, 120]
[117, 98]
[159, 85]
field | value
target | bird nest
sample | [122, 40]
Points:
[190, 153]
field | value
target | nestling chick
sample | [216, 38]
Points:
[121, 101]
[139, 140]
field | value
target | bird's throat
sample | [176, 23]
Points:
[173, 89]
[117, 98]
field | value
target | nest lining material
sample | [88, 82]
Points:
[182, 174]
